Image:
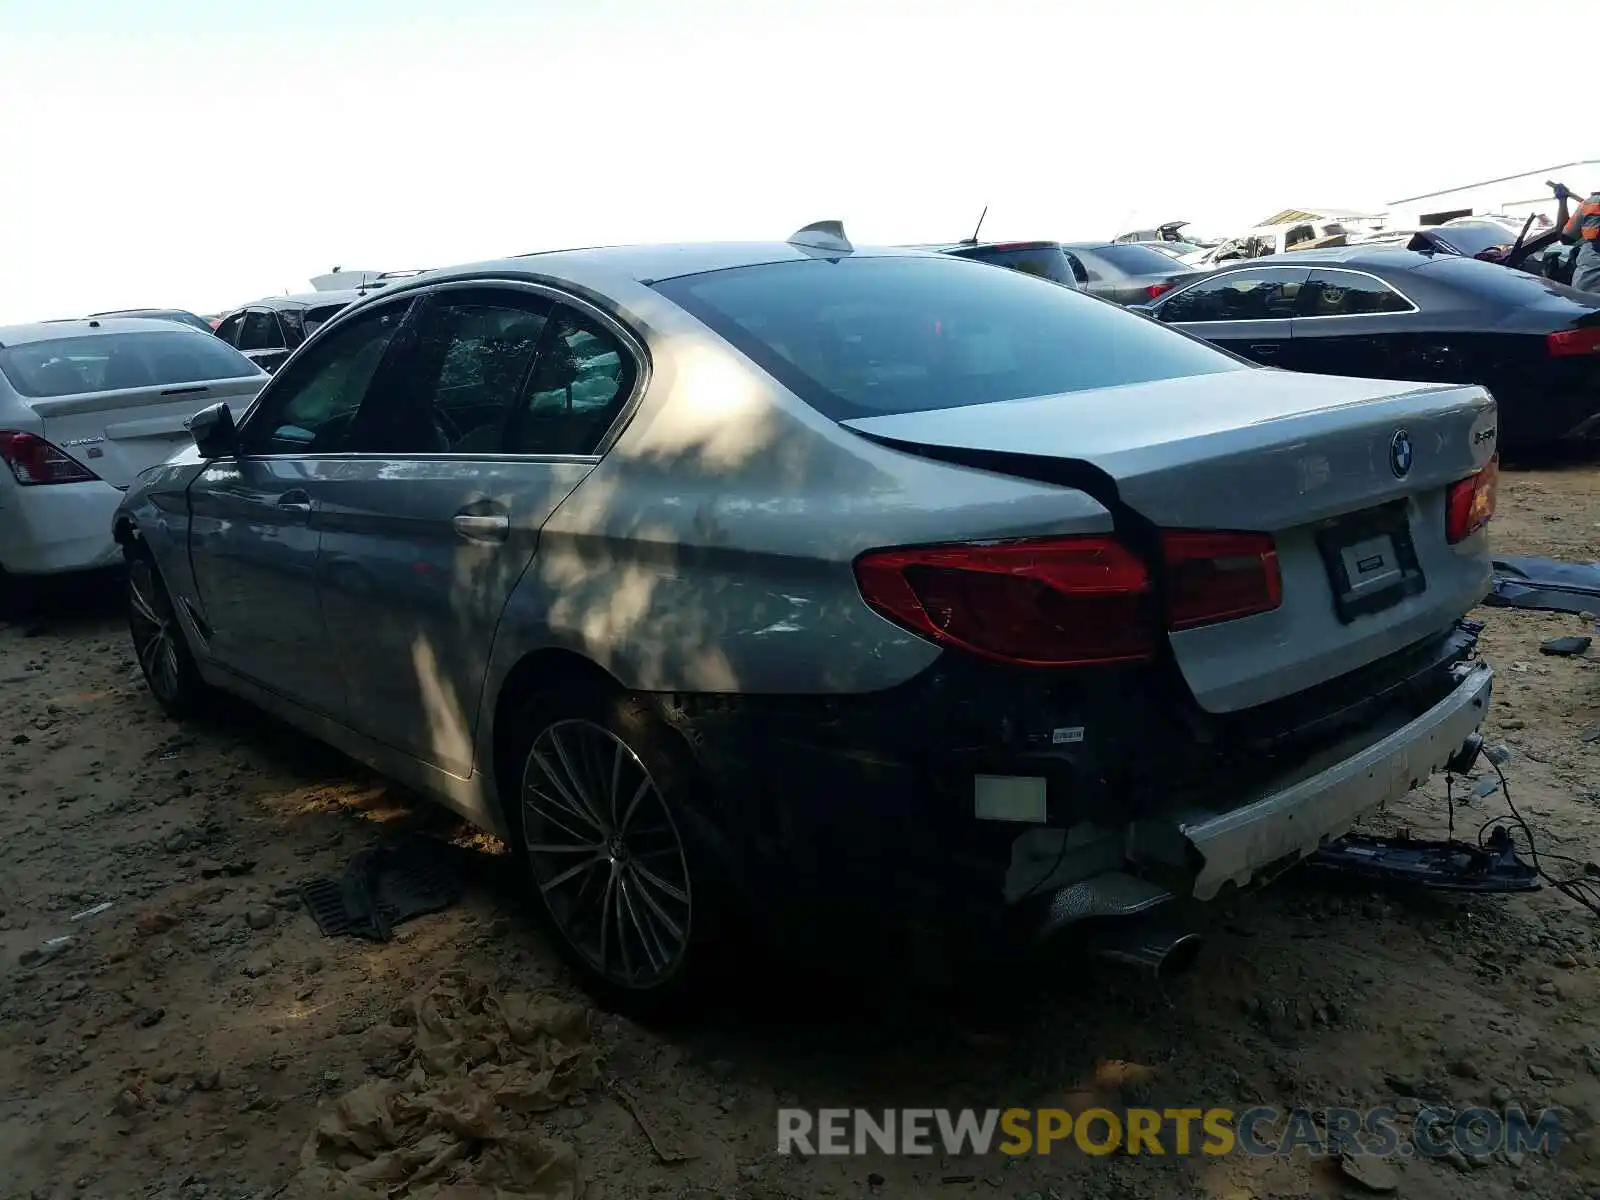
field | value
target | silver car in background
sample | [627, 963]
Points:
[785, 575]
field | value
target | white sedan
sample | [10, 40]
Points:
[84, 407]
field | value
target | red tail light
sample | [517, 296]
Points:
[1470, 502]
[33, 460]
[1570, 342]
[1215, 577]
[1158, 289]
[1072, 601]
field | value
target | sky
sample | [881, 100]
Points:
[201, 155]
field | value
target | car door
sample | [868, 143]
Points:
[253, 533]
[1248, 310]
[1354, 323]
[261, 339]
[491, 418]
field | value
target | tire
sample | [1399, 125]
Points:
[598, 810]
[159, 644]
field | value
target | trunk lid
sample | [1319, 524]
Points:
[1313, 460]
[117, 434]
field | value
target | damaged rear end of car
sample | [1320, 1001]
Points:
[1262, 641]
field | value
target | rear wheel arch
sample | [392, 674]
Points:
[533, 675]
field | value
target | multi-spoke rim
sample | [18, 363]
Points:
[154, 632]
[606, 854]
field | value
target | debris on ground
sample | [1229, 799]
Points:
[1565, 647]
[476, 1066]
[1549, 584]
[385, 886]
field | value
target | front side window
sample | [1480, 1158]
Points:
[309, 408]
[1237, 296]
[228, 331]
[261, 331]
[1347, 294]
[859, 337]
[111, 362]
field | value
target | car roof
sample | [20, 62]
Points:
[1364, 256]
[144, 311]
[1007, 244]
[1096, 245]
[309, 299]
[52, 331]
[599, 267]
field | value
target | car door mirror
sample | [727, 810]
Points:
[213, 430]
[1144, 310]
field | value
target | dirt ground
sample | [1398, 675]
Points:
[195, 1028]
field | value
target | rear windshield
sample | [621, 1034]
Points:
[1135, 259]
[1503, 284]
[110, 362]
[1047, 262]
[315, 318]
[858, 337]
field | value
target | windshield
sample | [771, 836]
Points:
[1136, 259]
[111, 362]
[858, 337]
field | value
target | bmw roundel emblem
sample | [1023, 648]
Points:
[1400, 454]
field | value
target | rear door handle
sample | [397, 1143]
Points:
[1265, 349]
[480, 527]
[296, 501]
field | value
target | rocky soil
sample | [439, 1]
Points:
[172, 1024]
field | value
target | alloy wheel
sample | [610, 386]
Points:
[155, 632]
[606, 853]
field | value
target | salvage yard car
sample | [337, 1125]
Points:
[267, 331]
[775, 576]
[1382, 312]
[85, 405]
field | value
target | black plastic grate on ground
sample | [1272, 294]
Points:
[385, 886]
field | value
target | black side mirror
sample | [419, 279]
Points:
[1144, 310]
[214, 433]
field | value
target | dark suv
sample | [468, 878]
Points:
[1045, 259]
[267, 331]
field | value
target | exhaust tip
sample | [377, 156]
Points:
[1159, 954]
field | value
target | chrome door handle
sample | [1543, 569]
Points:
[476, 527]
[296, 502]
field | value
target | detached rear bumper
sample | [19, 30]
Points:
[1294, 817]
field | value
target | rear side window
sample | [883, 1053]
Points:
[119, 361]
[1269, 295]
[1347, 294]
[858, 337]
[1135, 260]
